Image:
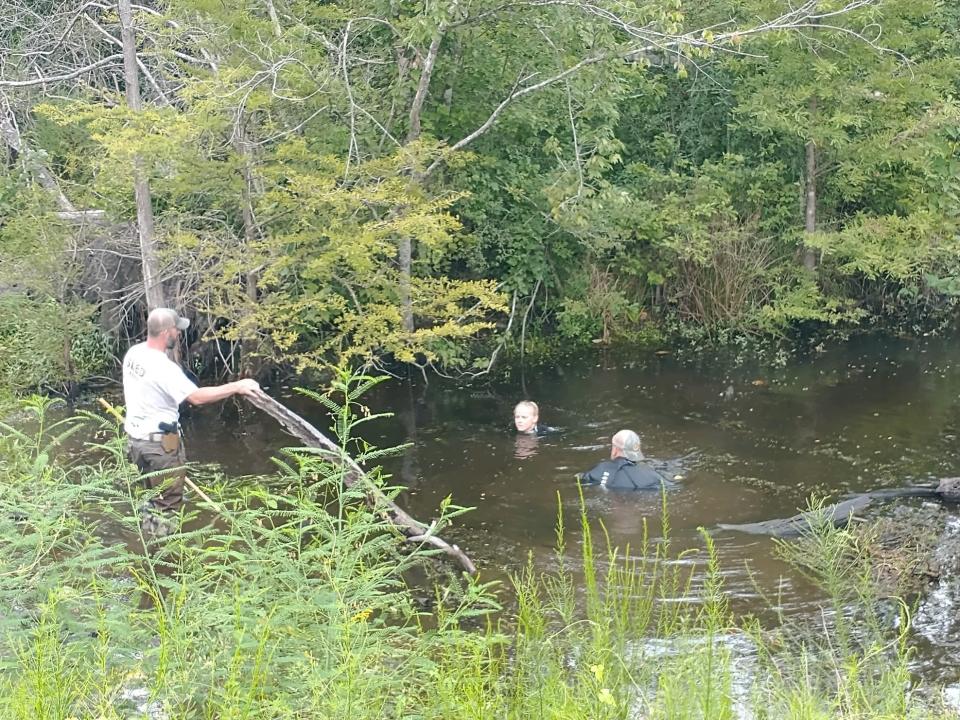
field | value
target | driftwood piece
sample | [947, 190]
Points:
[949, 489]
[838, 513]
[415, 531]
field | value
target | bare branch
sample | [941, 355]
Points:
[10, 134]
[48, 80]
[803, 15]
[164, 100]
[516, 94]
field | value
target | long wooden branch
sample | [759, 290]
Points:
[354, 476]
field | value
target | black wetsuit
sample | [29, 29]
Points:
[538, 430]
[623, 474]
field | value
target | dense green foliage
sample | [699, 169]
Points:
[290, 599]
[395, 181]
[48, 338]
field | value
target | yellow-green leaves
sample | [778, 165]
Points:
[330, 285]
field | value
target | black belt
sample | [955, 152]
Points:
[153, 437]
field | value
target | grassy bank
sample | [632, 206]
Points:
[291, 598]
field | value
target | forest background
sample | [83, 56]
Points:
[444, 183]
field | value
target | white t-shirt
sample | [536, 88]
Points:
[153, 388]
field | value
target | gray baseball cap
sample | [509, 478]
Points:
[161, 319]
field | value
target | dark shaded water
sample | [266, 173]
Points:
[758, 442]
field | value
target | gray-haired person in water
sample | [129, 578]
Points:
[625, 470]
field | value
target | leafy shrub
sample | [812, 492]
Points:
[605, 311]
[42, 346]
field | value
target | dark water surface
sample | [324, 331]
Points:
[753, 444]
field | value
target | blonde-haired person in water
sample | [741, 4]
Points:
[526, 419]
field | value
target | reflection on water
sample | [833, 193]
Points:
[751, 444]
[525, 445]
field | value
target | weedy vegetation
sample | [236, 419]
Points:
[292, 598]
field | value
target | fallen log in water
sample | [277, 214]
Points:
[838, 513]
[353, 475]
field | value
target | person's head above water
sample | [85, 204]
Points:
[164, 327]
[525, 416]
[626, 443]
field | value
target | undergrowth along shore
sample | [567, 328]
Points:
[290, 599]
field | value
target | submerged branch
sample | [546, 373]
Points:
[353, 475]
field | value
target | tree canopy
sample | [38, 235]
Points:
[421, 182]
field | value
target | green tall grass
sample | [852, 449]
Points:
[291, 600]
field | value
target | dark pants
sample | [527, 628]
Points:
[165, 468]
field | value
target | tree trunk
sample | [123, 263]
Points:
[405, 249]
[250, 366]
[405, 258]
[152, 284]
[810, 204]
[69, 369]
[274, 19]
[426, 75]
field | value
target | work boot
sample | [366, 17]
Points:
[155, 524]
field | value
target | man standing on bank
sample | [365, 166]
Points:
[153, 388]
[625, 470]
